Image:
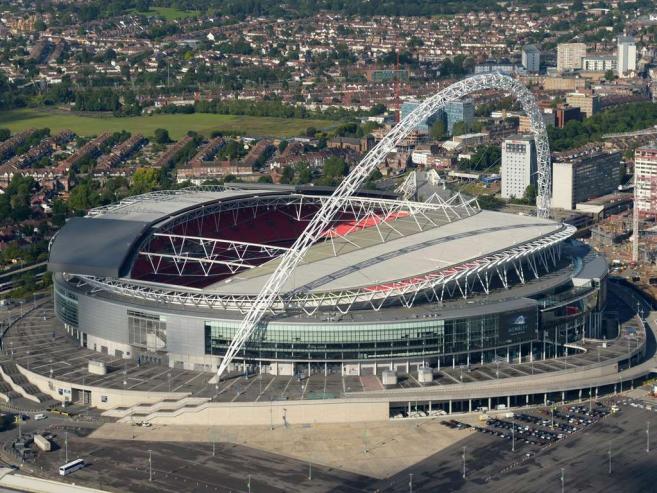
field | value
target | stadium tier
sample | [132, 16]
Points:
[168, 276]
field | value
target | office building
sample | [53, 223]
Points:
[531, 59]
[587, 102]
[458, 111]
[423, 126]
[626, 55]
[518, 165]
[583, 175]
[645, 170]
[569, 56]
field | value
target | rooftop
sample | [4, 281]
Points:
[365, 261]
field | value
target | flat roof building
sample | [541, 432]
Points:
[458, 111]
[587, 102]
[569, 56]
[599, 63]
[645, 176]
[581, 176]
[626, 55]
[518, 165]
[531, 58]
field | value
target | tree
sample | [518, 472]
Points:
[145, 180]
[304, 174]
[59, 212]
[4, 134]
[282, 145]
[609, 75]
[83, 197]
[530, 194]
[438, 130]
[335, 167]
[287, 175]
[161, 136]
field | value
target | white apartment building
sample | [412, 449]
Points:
[518, 165]
[645, 176]
[599, 63]
[569, 56]
[626, 55]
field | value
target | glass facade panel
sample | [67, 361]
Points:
[370, 341]
[66, 306]
[147, 330]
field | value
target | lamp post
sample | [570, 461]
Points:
[562, 480]
[513, 435]
[463, 456]
[150, 465]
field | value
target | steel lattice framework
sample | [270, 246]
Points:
[359, 174]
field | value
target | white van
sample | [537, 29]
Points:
[39, 417]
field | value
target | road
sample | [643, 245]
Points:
[21, 270]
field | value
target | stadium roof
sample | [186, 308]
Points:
[102, 243]
[96, 247]
[399, 258]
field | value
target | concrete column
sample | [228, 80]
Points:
[545, 399]
[489, 403]
[468, 360]
[408, 367]
[531, 352]
[527, 400]
[325, 369]
[409, 407]
[450, 406]
[429, 406]
[563, 396]
[469, 405]
[359, 372]
[508, 401]
[596, 392]
[520, 353]
[439, 363]
[482, 357]
[580, 395]
[508, 355]
[453, 361]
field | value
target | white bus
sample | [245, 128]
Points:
[71, 467]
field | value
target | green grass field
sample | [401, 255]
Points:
[172, 14]
[177, 125]
[169, 13]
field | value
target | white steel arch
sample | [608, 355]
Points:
[359, 174]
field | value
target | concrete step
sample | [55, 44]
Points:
[142, 410]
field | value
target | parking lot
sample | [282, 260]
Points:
[583, 442]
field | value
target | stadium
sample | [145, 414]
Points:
[256, 304]
[167, 277]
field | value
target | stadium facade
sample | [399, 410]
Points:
[168, 276]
